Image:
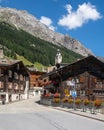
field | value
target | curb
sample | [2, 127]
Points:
[102, 120]
[79, 114]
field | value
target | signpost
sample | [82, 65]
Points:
[74, 92]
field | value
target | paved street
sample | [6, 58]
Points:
[28, 115]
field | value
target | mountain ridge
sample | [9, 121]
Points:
[19, 42]
[29, 23]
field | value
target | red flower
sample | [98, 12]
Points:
[57, 95]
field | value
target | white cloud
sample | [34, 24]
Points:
[48, 22]
[83, 14]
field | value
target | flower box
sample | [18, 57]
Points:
[56, 100]
[57, 95]
[97, 103]
[86, 102]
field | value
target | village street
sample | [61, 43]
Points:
[28, 115]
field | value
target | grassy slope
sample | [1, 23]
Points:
[31, 48]
[37, 65]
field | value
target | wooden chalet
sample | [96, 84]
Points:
[88, 74]
[35, 84]
[14, 80]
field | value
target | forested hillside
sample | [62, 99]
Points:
[33, 49]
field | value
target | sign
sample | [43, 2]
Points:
[70, 83]
[73, 93]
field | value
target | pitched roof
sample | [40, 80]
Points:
[91, 64]
[101, 58]
[6, 61]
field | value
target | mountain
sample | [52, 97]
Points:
[25, 21]
[18, 42]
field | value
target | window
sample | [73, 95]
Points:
[15, 75]
[15, 86]
[82, 92]
[99, 85]
[1, 84]
[21, 88]
[1, 71]
[21, 77]
[10, 85]
[10, 74]
[18, 66]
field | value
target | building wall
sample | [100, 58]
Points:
[12, 84]
[88, 86]
[34, 79]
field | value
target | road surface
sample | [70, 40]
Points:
[28, 115]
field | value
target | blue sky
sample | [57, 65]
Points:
[81, 19]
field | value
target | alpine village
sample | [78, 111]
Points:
[40, 62]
